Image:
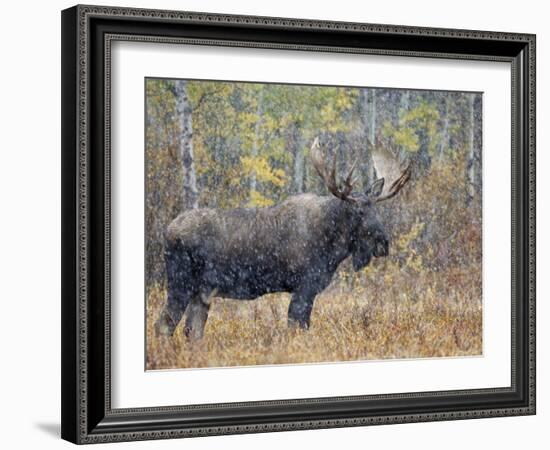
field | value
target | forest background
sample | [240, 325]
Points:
[229, 145]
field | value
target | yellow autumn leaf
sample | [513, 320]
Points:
[260, 168]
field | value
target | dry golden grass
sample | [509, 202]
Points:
[383, 312]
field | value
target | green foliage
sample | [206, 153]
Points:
[257, 200]
[404, 137]
[259, 167]
[414, 126]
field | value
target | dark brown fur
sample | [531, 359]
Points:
[293, 247]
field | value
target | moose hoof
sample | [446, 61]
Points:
[164, 326]
[294, 324]
[192, 334]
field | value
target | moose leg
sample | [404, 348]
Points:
[180, 291]
[172, 312]
[299, 310]
[196, 317]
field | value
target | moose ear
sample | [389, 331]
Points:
[375, 189]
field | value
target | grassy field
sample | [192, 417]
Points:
[382, 312]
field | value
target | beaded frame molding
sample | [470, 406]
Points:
[87, 35]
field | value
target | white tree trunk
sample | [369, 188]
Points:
[444, 143]
[254, 152]
[298, 172]
[373, 117]
[472, 150]
[367, 123]
[190, 194]
[405, 97]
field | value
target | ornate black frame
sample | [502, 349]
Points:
[87, 32]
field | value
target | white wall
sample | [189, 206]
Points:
[30, 225]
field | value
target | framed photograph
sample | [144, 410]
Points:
[280, 224]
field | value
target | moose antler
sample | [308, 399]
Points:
[388, 167]
[329, 177]
[397, 185]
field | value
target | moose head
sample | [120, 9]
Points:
[369, 237]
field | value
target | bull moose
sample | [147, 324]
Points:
[295, 247]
